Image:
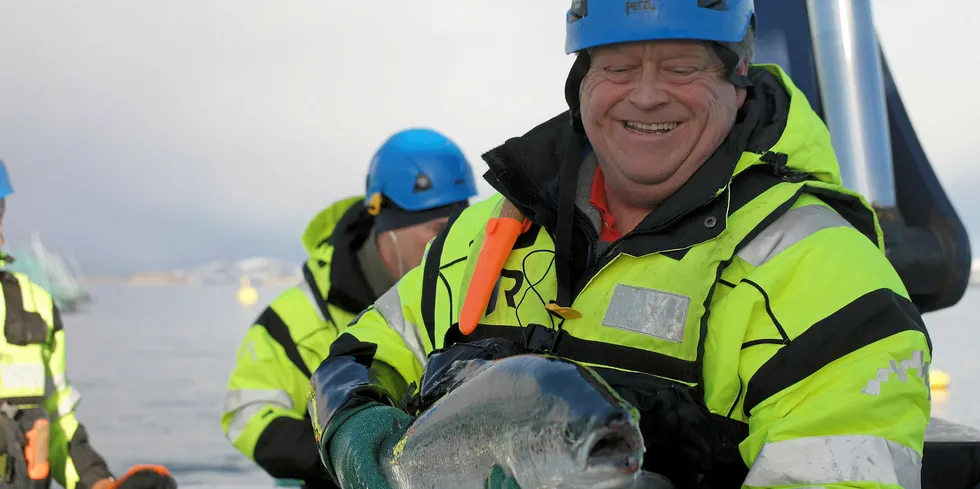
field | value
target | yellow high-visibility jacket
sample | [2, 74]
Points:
[761, 289]
[265, 405]
[33, 374]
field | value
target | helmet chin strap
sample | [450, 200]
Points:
[398, 254]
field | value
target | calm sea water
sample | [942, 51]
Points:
[152, 364]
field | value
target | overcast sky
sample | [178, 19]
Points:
[164, 134]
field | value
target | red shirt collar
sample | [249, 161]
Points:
[598, 200]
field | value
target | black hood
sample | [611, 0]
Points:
[349, 288]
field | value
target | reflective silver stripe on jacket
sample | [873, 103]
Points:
[246, 403]
[22, 376]
[68, 404]
[790, 228]
[825, 460]
[389, 305]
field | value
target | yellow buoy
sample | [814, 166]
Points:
[247, 295]
[939, 380]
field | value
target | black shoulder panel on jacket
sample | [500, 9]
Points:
[279, 332]
[870, 318]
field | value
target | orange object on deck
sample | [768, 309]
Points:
[502, 233]
[159, 469]
[36, 451]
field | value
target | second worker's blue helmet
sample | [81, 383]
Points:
[419, 174]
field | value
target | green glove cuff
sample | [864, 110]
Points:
[500, 480]
[339, 421]
[354, 449]
[324, 447]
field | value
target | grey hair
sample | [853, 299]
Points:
[744, 49]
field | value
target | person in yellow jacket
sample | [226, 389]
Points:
[40, 437]
[358, 248]
[685, 233]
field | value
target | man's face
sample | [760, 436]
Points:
[411, 240]
[655, 111]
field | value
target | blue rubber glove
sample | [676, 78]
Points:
[356, 445]
[499, 480]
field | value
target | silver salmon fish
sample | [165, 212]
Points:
[550, 423]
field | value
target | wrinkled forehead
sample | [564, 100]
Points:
[662, 49]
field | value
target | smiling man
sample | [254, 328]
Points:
[687, 235]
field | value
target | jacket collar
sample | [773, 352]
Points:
[348, 288]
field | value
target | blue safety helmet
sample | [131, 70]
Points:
[599, 22]
[418, 169]
[5, 187]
